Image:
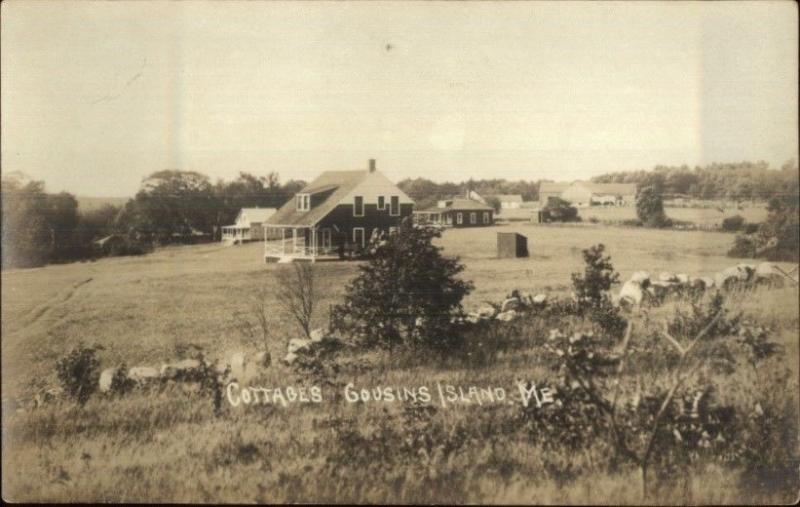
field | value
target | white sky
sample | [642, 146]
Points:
[96, 95]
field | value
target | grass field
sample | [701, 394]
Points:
[169, 446]
[705, 218]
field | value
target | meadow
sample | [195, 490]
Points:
[167, 444]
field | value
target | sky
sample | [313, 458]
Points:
[97, 95]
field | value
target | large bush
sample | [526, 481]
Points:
[650, 208]
[777, 239]
[559, 210]
[406, 293]
[79, 372]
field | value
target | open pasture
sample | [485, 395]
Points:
[144, 447]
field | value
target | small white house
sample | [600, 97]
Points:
[249, 225]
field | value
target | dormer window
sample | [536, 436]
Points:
[381, 202]
[303, 202]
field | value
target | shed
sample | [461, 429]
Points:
[511, 245]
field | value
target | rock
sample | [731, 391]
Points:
[746, 271]
[473, 317]
[708, 281]
[143, 374]
[632, 292]
[682, 278]
[297, 345]
[509, 304]
[317, 335]
[263, 359]
[540, 299]
[640, 277]
[487, 311]
[106, 376]
[667, 277]
[290, 358]
[768, 273]
[728, 277]
[506, 316]
[181, 369]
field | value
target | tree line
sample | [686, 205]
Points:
[171, 206]
[735, 181]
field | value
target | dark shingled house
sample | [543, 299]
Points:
[338, 210]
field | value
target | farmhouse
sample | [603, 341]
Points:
[509, 201]
[457, 212]
[339, 211]
[249, 225]
[585, 193]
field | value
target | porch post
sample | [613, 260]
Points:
[314, 241]
[294, 240]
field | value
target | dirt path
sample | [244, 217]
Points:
[44, 309]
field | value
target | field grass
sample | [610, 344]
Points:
[706, 217]
[167, 444]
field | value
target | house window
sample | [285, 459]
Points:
[394, 206]
[381, 202]
[459, 218]
[473, 218]
[486, 217]
[303, 202]
[358, 236]
[358, 208]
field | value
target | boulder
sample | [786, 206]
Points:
[510, 304]
[632, 293]
[143, 374]
[682, 278]
[540, 299]
[473, 317]
[106, 376]
[746, 271]
[666, 276]
[708, 281]
[487, 311]
[318, 335]
[297, 345]
[263, 359]
[659, 290]
[640, 277]
[726, 278]
[506, 316]
[290, 358]
[181, 369]
[768, 273]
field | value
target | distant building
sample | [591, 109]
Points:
[585, 193]
[509, 201]
[337, 212]
[249, 225]
[457, 212]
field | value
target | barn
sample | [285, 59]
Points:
[338, 212]
[249, 225]
[585, 193]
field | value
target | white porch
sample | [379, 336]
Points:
[233, 234]
[287, 243]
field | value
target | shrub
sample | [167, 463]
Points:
[777, 239]
[406, 293]
[744, 247]
[733, 224]
[79, 372]
[591, 291]
[120, 383]
[559, 210]
[650, 208]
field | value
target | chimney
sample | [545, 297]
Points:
[372, 165]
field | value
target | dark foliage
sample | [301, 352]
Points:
[79, 372]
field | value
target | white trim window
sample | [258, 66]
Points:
[355, 236]
[486, 218]
[358, 206]
[473, 218]
[381, 202]
[394, 206]
[303, 202]
[459, 218]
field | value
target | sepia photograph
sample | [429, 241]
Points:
[400, 252]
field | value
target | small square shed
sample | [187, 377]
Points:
[511, 245]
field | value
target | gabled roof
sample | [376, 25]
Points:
[341, 182]
[611, 188]
[508, 197]
[257, 215]
[460, 203]
[549, 186]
